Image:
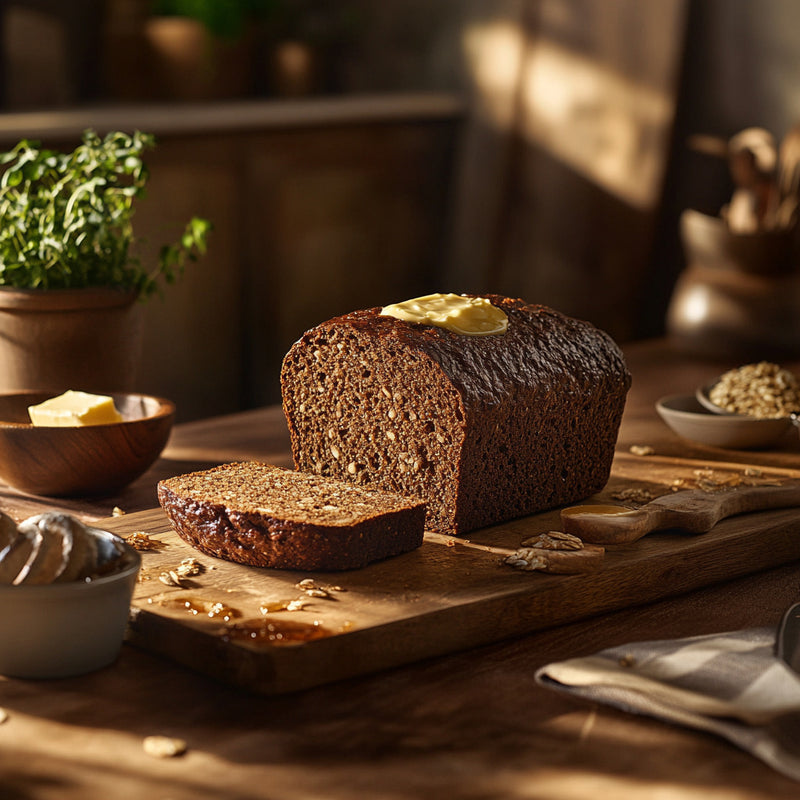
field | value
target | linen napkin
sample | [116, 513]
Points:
[730, 684]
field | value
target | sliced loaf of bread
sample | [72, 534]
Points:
[483, 428]
[267, 516]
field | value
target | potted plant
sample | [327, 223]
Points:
[69, 276]
[203, 49]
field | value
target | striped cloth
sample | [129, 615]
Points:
[729, 684]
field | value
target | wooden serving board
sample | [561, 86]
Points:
[448, 595]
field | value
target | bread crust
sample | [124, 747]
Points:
[236, 529]
[484, 428]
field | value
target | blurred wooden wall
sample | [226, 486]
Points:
[309, 222]
[555, 171]
[572, 140]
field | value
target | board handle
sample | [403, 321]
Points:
[690, 510]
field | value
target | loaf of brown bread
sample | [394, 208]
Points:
[267, 516]
[484, 428]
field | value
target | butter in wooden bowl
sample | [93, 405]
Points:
[73, 408]
[80, 444]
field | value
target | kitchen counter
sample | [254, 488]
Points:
[469, 725]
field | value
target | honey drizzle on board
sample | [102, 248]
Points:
[272, 632]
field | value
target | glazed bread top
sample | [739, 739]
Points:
[542, 348]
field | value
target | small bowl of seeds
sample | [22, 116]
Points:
[763, 390]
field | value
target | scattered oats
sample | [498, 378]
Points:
[3, 715]
[526, 558]
[164, 746]
[627, 661]
[709, 486]
[190, 568]
[708, 481]
[311, 587]
[117, 512]
[554, 540]
[641, 450]
[634, 495]
[171, 578]
[139, 540]
[450, 543]
[176, 578]
[272, 606]
[317, 592]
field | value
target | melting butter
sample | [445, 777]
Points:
[469, 316]
[73, 409]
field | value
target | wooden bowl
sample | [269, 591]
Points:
[88, 460]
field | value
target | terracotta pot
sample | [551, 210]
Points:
[294, 69]
[86, 339]
[188, 63]
[739, 296]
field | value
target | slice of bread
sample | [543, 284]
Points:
[266, 516]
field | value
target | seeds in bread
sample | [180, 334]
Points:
[267, 516]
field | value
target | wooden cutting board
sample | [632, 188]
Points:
[451, 594]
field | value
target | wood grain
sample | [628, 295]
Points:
[451, 594]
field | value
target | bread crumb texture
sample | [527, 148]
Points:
[267, 516]
[269, 491]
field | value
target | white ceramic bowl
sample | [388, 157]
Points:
[687, 417]
[62, 629]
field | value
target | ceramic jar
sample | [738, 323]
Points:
[739, 295]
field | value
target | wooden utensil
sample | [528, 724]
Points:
[789, 176]
[691, 510]
[752, 159]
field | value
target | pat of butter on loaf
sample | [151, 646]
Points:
[73, 409]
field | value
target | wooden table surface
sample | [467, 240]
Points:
[472, 725]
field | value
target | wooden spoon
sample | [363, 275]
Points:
[691, 510]
[789, 176]
[752, 158]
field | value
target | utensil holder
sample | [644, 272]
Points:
[739, 295]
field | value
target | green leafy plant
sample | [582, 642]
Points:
[227, 19]
[66, 218]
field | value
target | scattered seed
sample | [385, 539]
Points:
[190, 568]
[171, 578]
[140, 540]
[163, 746]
